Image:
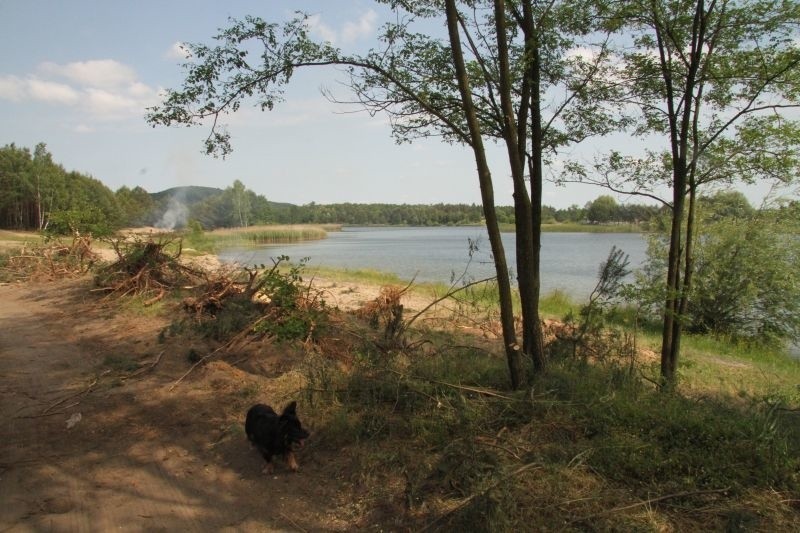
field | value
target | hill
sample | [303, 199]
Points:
[188, 195]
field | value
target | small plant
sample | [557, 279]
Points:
[271, 302]
[583, 335]
[294, 312]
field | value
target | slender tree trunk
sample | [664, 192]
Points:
[686, 284]
[536, 341]
[527, 264]
[670, 332]
[39, 217]
[536, 348]
[487, 196]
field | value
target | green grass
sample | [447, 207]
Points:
[556, 304]
[361, 275]
[581, 448]
[748, 372]
[255, 235]
[14, 238]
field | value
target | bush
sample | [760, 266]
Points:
[746, 285]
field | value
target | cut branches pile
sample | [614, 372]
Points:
[386, 311]
[147, 268]
[53, 259]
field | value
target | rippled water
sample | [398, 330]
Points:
[570, 261]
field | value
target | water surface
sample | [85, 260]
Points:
[570, 261]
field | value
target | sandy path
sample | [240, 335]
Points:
[140, 458]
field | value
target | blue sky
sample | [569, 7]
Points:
[79, 74]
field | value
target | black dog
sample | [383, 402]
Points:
[275, 435]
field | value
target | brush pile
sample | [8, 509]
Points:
[385, 311]
[53, 259]
[148, 269]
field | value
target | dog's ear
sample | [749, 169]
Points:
[290, 409]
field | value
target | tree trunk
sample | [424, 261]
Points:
[671, 333]
[527, 264]
[686, 284]
[536, 342]
[487, 197]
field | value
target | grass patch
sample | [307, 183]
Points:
[211, 241]
[15, 239]
[587, 446]
[748, 372]
[362, 275]
[120, 363]
[556, 304]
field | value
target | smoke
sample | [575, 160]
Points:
[176, 214]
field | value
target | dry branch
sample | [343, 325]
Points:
[145, 369]
[649, 502]
[79, 393]
[471, 497]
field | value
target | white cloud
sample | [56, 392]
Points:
[12, 88]
[49, 91]
[83, 128]
[363, 27]
[106, 104]
[18, 89]
[104, 73]
[102, 89]
[140, 90]
[315, 24]
[350, 32]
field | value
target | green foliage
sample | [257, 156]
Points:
[137, 207]
[197, 239]
[38, 192]
[275, 304]
[746, 284]
[89, 221]
[586, 334]
[602, 210]
[296, 315]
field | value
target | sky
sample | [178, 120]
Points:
[78, 75]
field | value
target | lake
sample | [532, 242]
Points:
[570, 261]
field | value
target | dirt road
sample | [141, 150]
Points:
[92, 439]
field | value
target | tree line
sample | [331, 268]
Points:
[603, 210]
[39, 194]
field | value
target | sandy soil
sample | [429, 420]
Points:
[92, 439]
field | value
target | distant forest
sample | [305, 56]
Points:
[39, 194]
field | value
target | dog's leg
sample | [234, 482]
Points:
[268, 458]
[292, 461]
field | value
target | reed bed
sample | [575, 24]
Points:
[257, 235]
